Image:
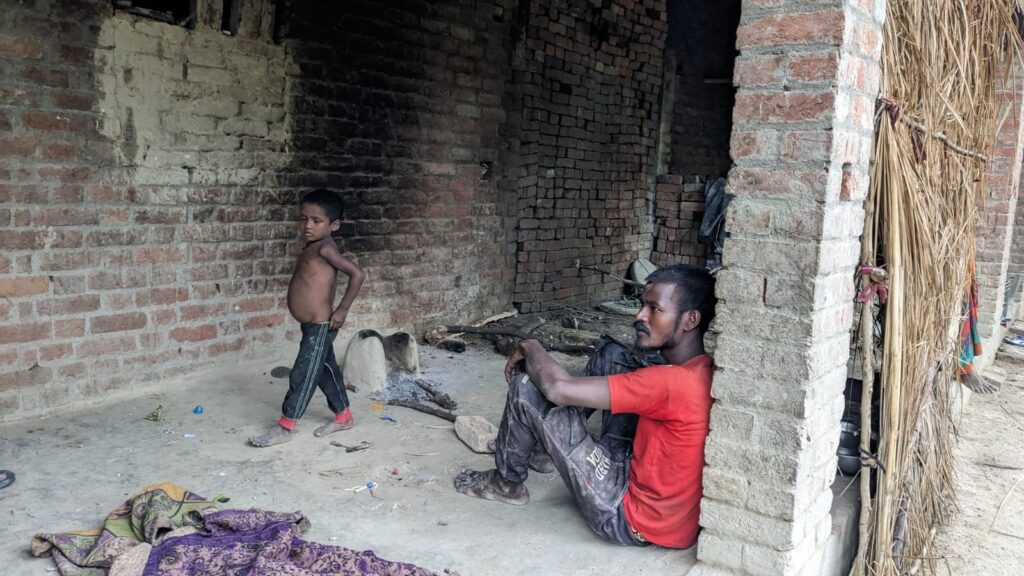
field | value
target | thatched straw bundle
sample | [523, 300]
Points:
[936, 119]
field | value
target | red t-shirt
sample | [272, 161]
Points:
[662, 500]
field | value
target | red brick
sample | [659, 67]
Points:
[825, 27]
[69, 328]
[759, 182]
[161, 254]
[117, 323]
[94, 347]
[23, 286]
[194, 334]
[164, 316]
[201, 311]
[266, 321]
[802, 146]
[66, 174]
[35, 376]
[29, 332]
[20, 47]
[73, 371]
[221, 348]
[256, 304]
[74, 101]
[64, 216]
[814, 67]
[758, 70]
[61, 151]
[784, 107]
[52, 352]
[18, 146]
[161, 296]
[46, 77]
[68, 306]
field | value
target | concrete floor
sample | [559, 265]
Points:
[74, 468]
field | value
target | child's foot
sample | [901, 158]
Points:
[489, 485]
[276, 435]
[342, 421]
[541, 462]
[332, 427]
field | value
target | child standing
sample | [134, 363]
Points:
[311, 302]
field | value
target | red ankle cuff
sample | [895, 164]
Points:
[343, 416]
[286, 423]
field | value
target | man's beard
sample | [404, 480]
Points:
[639, 327]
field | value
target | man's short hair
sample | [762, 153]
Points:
[694, 290]
[329, 201]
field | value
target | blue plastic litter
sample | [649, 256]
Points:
[389, 419]
[1014, 340]
[197, 410]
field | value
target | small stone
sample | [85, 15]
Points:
[477, 433]
[640, 269]
[280, 372]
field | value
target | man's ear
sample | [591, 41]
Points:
[691, 319]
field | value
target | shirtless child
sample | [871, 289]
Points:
[311, 302]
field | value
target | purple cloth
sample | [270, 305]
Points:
[262, 543]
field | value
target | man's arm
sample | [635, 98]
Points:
[355, 275]
[554, 382]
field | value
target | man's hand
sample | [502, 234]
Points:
[515, 362]
[338, 318]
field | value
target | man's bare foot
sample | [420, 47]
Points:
[332, 427]
[276, 435]
[489, 485]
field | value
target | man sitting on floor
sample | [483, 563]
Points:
[654, 495]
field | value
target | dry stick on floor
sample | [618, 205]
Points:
[423, 408]
[992, 526]
[486, 321]
[551, 346]
[436, 396]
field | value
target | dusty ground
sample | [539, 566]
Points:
[990, 463]
[74, 468]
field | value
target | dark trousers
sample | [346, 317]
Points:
[595, 471]
[315, 366]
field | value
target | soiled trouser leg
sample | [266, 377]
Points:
[308, 369]
[597, 482]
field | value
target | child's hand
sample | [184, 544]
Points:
[338, 318]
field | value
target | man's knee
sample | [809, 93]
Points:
[522, 391]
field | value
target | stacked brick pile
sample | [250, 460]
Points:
[678, 210]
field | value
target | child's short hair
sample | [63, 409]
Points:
[329, 201]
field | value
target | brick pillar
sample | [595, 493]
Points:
[801, 143]
[996, 211]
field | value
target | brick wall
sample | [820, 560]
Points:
[807, 79]
[996, 212]
[701, 47]
[129, 196]
[588, 82]
[149, 175]
[678, 210]
[396, 108]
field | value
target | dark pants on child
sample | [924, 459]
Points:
[315, 366]
[595, 471]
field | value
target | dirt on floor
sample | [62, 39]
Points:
[74, 467]
[985, 537]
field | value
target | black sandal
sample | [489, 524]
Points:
[7, 478]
